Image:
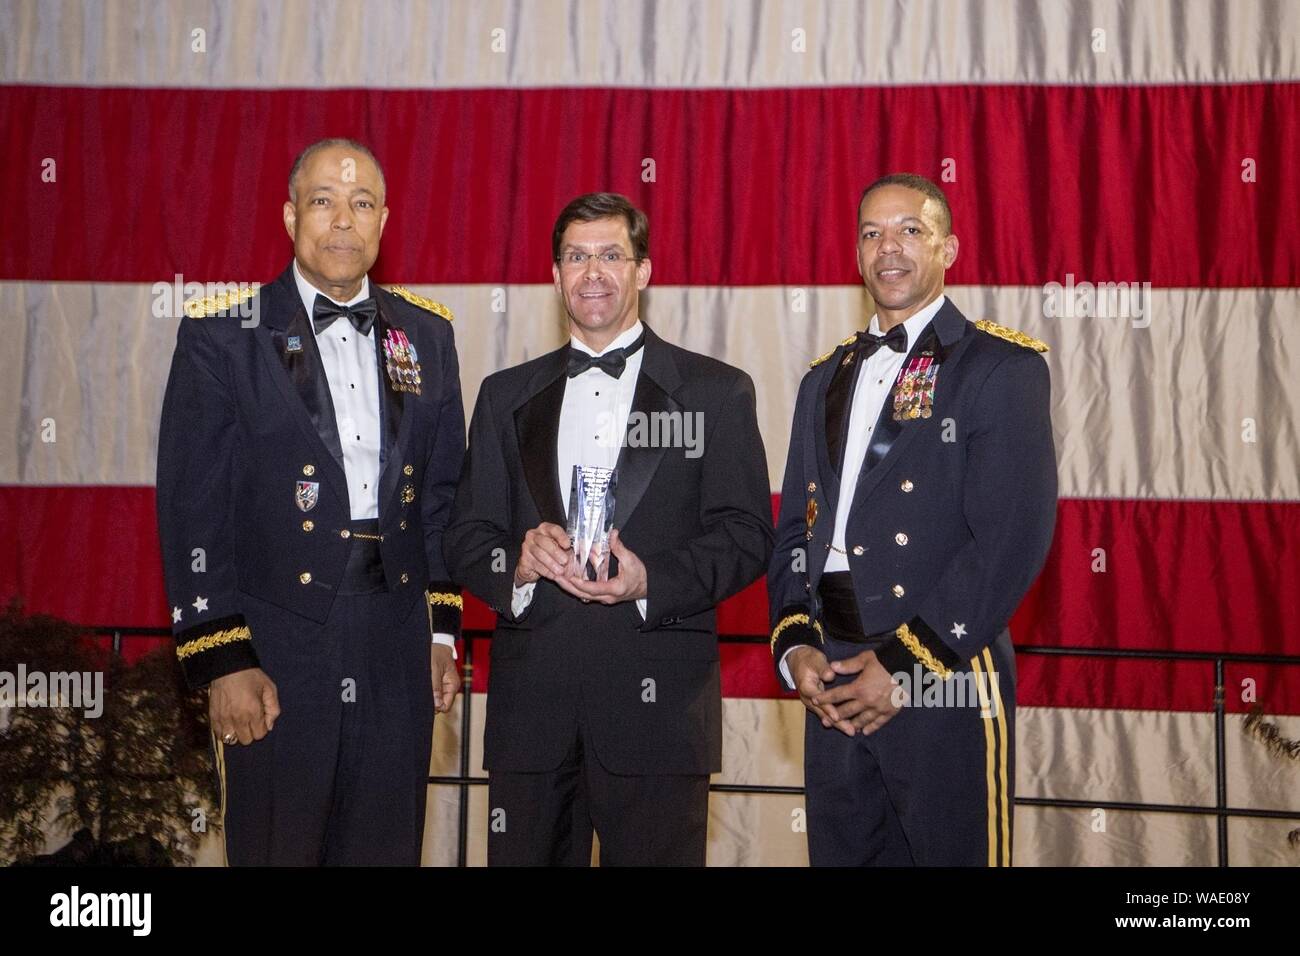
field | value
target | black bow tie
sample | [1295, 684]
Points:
[868, 344]
[325, 310]
[611, 363]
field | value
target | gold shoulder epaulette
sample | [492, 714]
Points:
[437, 308]
[1011, 335]
[822, 358]
[198, 308]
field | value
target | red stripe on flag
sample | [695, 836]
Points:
[750, 187]
[1179, 575]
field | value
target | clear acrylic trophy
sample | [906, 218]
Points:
[591, 516]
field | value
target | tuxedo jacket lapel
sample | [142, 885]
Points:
[890, 437]
[659, 378]
[537, 429]
[394, 423]
[303, 380]
[829, 474]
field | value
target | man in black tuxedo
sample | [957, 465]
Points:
[605, 706]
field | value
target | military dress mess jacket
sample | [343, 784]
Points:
[953, 510]
[252, 494]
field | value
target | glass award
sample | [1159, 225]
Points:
[591, 516]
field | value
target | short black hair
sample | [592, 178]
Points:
[320, 144]
[593, 206]
[921, 185]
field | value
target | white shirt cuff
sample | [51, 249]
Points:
[448, 641]
[784, 668]
[521, 598]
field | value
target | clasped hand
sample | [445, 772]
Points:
[862, 705]
[548, 553]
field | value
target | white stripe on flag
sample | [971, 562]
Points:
[417, 44]
[1198, 404]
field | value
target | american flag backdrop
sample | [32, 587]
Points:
[1124, 183]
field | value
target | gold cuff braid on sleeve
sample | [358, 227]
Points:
[921, 652]
[792, 619]
[215, 639]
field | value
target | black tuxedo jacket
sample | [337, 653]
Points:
[648, 690]
[247, 419]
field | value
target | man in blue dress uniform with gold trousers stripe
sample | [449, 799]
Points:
[917, 508]
[307, 461]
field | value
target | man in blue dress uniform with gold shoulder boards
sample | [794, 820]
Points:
[306, 466]
[917, 508]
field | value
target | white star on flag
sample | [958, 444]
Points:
[958, 630]
[176, 615]
[200, 603]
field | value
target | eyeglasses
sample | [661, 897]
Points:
[575, 260]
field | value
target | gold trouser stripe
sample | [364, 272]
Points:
[1003, 751]
[220, 748]
[990, 746]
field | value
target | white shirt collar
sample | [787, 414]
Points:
[308, 292]
[916, 323]
[626, 337]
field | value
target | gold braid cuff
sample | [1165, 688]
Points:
[446, 600]
[793, 619]
[921, 652]
[215, 639]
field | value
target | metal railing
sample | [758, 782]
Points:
[464, 780]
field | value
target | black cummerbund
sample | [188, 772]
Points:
[840, 611]
[365, 570]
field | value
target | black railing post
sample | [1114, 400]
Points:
[466, 738]
[106, 757]
[1220, 763]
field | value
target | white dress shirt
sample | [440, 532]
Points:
[593, 421]
[352, 371]
[874, 383]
